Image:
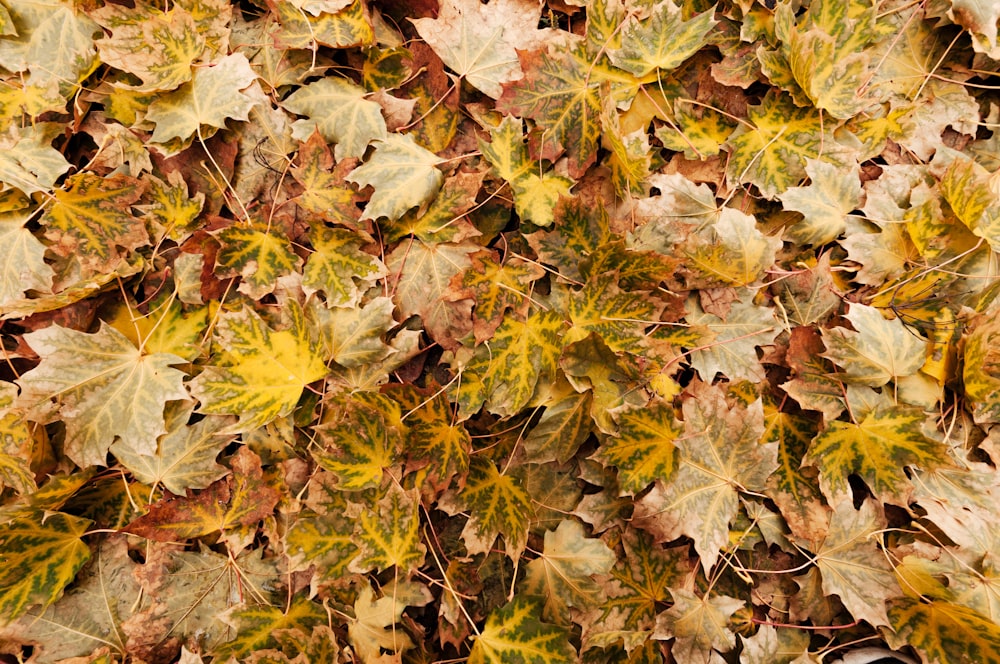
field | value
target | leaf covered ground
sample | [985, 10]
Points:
[617, 331]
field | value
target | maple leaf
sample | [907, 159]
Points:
[772, 150]
[169, 207]
[262, 372]
[437, 446]
[832, 193]
[811, 294]
[564, 573]
[28, 161]
[479, 42]
[336, 263]
[158, 46]
[617, 317]
[361, 441]
[878, 351]
[495, 288]
[256, 253]
[444, 218]
[823, 60]
[185, 456]
[54, 42]
[353, 337]
[504, 373]
[536, 191]
[734, 340]
[421, 275]
[562, 428]
[213, 95]
[256, 625]
[851, 564]
[22, 259]
[105, 387]
[389, 536]
[90, 219]
[44, 552]
[664, 40]
[338, 110]
[497, 504]
[349, 26]
[402, 173]
[720, 455]
[944, 631]
[324, 191]
[637, 589]
[374, 627]
[91, 614]
[231, 503]
[981, 376]
[561, 91]
[581, 230]
[514, 633]
[700, 624]
[733, 252]
[793, 488]
[17, 439]
[325, 540]
[877, 449]
[643, 450]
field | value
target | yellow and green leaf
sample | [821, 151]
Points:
[515, 633]
[497, 505]
[564, 574]
[663, 41]
[261, 372]
[337, 265]
[256, 625]
[338, 110]
[504, 372]
[351, 26]
[878, 450]
[360, 441]
[105, 387]
[91, 219]
[402, 174]
[643, 450]
[43, 552]
[389, 535]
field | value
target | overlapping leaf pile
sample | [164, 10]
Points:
[607, 331]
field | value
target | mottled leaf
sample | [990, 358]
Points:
[91, 220]
[105, 388]
[878, 449]
[203, 105]
[514, 633]
[403, 175]
[851, 564]
[479, 42]
[338, 110]
[261, 372]
[258, 255]
[662, 41]
[720, 454]
[43, 552]
[564, 573]
[643, 450]
[185, 456]
[877, 351]
[336, 264]
[497, 505]
[389, 535]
